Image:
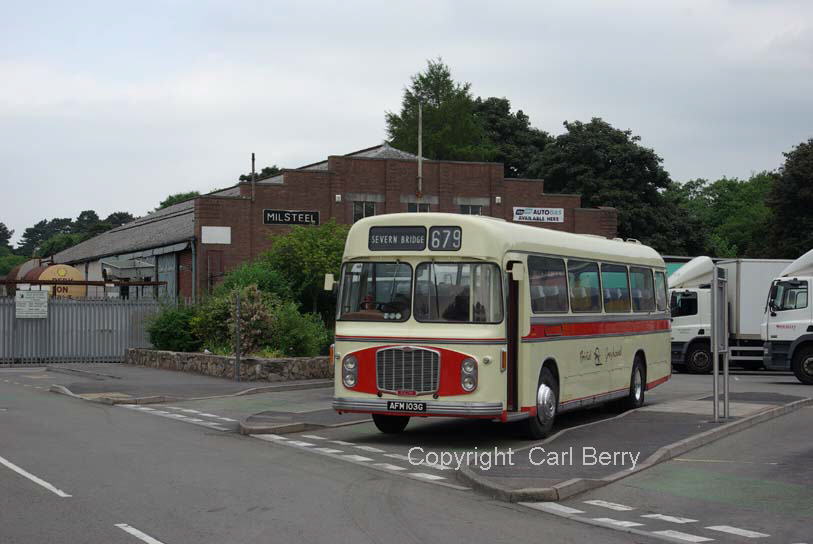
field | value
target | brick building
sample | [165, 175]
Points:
[192, 244]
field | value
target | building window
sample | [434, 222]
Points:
[418, 207]
[362, 210]
[471, 209]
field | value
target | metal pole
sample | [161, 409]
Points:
[253, 177]
[237, 346]
[727, 352]
[420, 151]
[714, 344]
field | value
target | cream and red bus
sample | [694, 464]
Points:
[446, 315]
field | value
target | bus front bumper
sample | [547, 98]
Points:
[433, 408]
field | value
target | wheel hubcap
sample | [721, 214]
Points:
[638, 385]
[701, 358]
[545, 404]
[807, 366]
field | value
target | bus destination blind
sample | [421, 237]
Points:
[397, 239]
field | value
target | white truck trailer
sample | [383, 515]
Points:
[788, 325]
[748, 283]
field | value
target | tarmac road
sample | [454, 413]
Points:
[136, 479]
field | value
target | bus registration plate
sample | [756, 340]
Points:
[406, 406]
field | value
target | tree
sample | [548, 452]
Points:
[5, 236]
[8, 260]
[517, 143]
[266, 172]
[176, 198]
[57, 243]
[608, 167]
[34, 236]
[304, 256]
[791, 201]
[86, 221]
[451, 128]
[117, 219]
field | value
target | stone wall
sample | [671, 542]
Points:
[251, 369]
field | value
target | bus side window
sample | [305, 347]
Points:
[584, 286]
[548, 284]
[643, 295]
[616, 288]
[660, 292]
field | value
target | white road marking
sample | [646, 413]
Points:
[188, 411]
[737, 531]
[354, 457]
[435, 466]
[341, 442]
[38, 481]
[682, 536]
[203, 414]
[610, 505]
[313, 436]
[426, 476]
[397, 456]
[227, 419]
[300, 443]
[370, 449]
[144, 537]
[328, 450]
[618, 522]
[194, 420]
[670, 519]
[552, 507]
[160, 412]
[269, 437]
[389, 466]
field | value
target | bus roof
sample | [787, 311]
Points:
[490, 238]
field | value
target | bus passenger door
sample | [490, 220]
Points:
[512, 323]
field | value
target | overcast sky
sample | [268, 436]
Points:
[113, 106]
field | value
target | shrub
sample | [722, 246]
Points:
[256, 310]
[259, 273]
[210, 324]
[171, 329]
[296, 334]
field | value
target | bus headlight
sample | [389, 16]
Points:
[468, 374]
[350, 371]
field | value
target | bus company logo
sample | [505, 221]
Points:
[406, 393]
[590, 356]
[613, 353]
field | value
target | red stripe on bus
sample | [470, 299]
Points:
[597, 328]
[656, 383]
[421, 339]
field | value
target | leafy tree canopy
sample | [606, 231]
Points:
[57, 243]
[304, 256]
[451, 129]
[266, 172]
[791, 201]
[517, 143]
[609, 167]
[5, 236]
[33, 237]
[176, 198]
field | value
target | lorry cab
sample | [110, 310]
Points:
[690, 305]
[787, 328]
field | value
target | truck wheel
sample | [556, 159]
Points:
[637, 392]
[390, 424]
[547, 405]
[803, 365]
[699, 360]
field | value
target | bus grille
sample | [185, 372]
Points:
[407, 369]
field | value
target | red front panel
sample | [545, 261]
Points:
[449, 383]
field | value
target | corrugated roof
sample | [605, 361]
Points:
[173, 224]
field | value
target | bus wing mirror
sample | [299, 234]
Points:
[518, 272]
[330, 282]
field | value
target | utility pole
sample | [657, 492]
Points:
[419, 194]
[253, 177]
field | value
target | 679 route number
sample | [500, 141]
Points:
[445, 238]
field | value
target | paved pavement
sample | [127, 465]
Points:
[126, 477]
[126, 382]
[756, 485]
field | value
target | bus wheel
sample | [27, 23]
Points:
[637, 392]
[803, 365]
[390, 424]
[547, 404]
[698, 359]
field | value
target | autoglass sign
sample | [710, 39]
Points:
[397, 239]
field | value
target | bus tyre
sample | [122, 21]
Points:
[390, 424]
[637, 392]
[547, 405]
[803, 365]
[699, 360]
